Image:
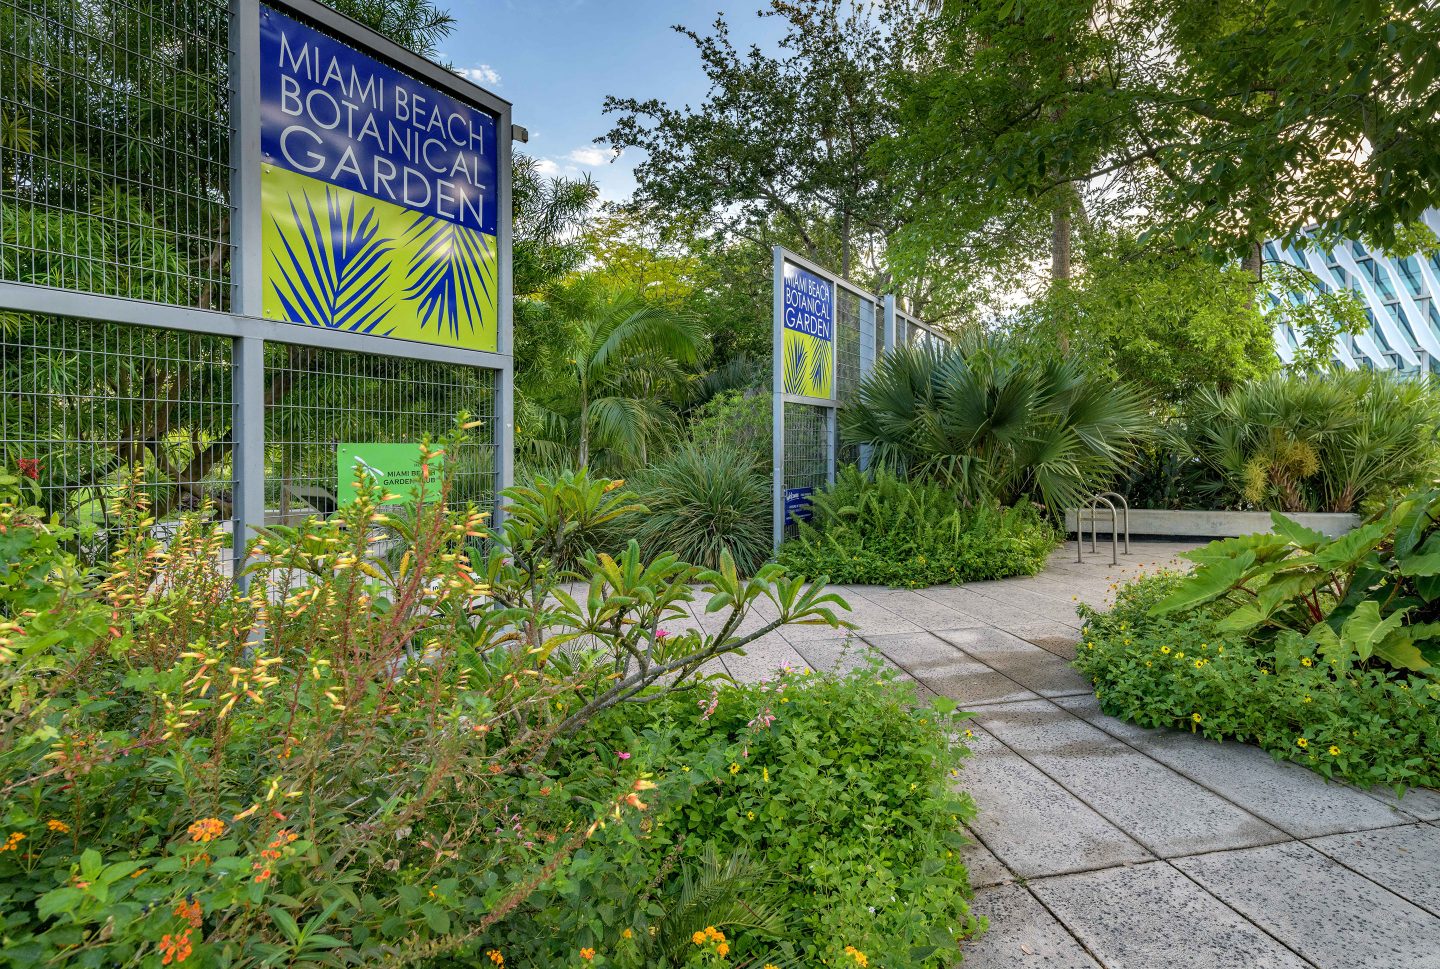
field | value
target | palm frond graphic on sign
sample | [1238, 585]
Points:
[450, 273]
[796, 360]
[822, 362]
[333, 275]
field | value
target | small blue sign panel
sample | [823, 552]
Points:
[797, 504]
[334, 114]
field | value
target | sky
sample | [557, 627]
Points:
[556, 60]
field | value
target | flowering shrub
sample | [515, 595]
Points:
[831, 798]
[1361, 722]
[881, 530]
[345, 761]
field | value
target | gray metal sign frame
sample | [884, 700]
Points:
[245, 324]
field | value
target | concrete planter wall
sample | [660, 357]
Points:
[1212, 524]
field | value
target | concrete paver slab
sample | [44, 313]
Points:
[948, 672]
[1295, 800]
[1021, 933]
[984, 868]
[1032, 824]
[1025, 663]
[1405, 860]
[1151, 916]
[1167, 813]
[1329, 914]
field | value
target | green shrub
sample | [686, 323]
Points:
[881, 530]
[1333, 441]
[734, 421]
[1357, 721]
[839, 787]
[338, 767]
[700, 504]
[996, 420]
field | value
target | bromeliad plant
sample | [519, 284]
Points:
[335, 764]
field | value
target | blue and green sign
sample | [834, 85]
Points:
[808, 335]
[380, 195]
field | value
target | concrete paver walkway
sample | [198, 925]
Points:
[1099, 844]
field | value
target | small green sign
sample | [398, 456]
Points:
[396, 467]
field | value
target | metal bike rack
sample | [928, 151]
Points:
[1093, 510]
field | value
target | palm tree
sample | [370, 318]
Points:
[622, 349]
[995, 421]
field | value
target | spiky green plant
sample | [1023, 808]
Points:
[992, 420]
[701, 504]
[1333, 441]
[734, 894]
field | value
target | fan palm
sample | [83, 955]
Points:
[613, 331]
[994, 421]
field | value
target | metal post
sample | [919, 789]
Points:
[248, 380]
[505, 326]
[777, 402]
[246, 255]
[889, 321]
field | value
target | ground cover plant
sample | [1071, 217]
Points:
[364, 784]
[878, 529]
[1321, 651]
[834, 792]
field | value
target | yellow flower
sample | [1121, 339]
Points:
[495, 957]
[723, 949]
[685, 769]
[55, 824]
[1334, 751]
[1165, 650]
[1306, 661]
[765, 774]
[750, 815]
[626, 934]
[1307, 699]
[1302, 743]
[734, 768]
[1195, 717]
[1180, 655]
[698, 938]
[12, 843]
[587, 954]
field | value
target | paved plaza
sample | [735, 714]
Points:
[1099, 844]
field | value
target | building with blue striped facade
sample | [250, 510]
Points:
[1401, 298]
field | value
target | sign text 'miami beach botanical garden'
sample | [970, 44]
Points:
[808, 338]
[380, 195]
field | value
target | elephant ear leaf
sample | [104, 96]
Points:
[1206, 583]
[1296, 533]
[1399, 650]
[1364, 630]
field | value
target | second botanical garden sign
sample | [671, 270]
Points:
[380, 195]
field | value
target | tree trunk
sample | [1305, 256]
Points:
[845, 244]
[1060, 243]
[1254, 264]
[584, 454]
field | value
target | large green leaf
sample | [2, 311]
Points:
[1296, 533]
[1365, 629]
[1207, 583]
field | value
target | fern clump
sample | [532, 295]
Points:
[882, 530]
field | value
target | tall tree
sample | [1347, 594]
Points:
[1218, 124]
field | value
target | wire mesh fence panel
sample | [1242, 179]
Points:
[807, 452]
[857, 340]
[114, 148]
[325, 407]
[86, 407]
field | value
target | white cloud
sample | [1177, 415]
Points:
[547, 167]
[483, 74]
[589, 156]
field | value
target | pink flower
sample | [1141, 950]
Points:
[661, 633]
[623, 754]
